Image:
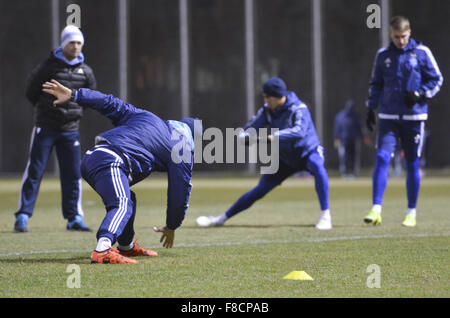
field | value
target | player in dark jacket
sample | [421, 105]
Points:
[56, 127]
[299, 150]
[140, 143]
[348, 133]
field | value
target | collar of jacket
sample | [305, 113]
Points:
[412, 44]
[58, 54]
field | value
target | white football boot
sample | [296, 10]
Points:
[324, 223]
[208, 221]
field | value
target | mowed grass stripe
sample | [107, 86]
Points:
[258, 242]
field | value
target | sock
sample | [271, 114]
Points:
[377, 208]
[125, 247]
[325, 214]
[222, 218]
[103, 244]
[380, 176]
[412, 212]
[412, 182]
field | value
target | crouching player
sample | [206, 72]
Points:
[299, 150]
[140, 143]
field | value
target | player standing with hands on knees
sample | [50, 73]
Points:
[140, 143]
[405, 76]
[299, 150]
[56, 127]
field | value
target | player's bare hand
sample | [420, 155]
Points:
[167, 237]
[58, 90]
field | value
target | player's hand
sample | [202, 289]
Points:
[58, 90]
[413, 98]
[370, 119]
[167, 237]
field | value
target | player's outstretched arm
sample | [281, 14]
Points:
[118, 111]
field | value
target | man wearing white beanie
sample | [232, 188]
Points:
[56, 127]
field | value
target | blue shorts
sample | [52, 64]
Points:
[409, 133]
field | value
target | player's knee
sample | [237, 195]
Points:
[317, 168]
[262, 189]
[383, 157]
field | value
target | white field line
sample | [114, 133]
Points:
[256, 242]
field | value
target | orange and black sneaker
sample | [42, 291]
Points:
[110, 256]
[138, 250]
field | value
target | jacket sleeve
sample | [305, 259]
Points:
[431, 75]
[259, 120]
[376, 84]
[38, 76]
[178, 193]
[298, 129]
[112, 107]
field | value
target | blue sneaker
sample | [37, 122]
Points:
[21, 223]
[77, 224]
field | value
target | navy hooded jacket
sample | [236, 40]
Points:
[297, 135]
[147, 141]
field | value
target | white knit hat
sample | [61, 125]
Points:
[71, 33]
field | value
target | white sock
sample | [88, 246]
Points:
[377, 208]
[325, 214]
[103, 244]
[412, 212]
[222, 218]
[125, 247]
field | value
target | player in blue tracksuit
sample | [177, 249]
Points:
[405, 76]
[140, 143]
[299, 150]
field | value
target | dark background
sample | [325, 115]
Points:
[283, 47]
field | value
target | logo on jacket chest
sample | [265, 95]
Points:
[413, 60]
[388, 62]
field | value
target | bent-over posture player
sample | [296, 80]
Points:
[140, 143]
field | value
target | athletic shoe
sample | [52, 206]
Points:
[77, 224]
[110, 256]
[373, 217]
[21, 223]
[137, 250]
[324, 223]
[410, 221]
[207, 221]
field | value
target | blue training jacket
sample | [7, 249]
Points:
[297, 134]
[147, 141]
[397, 71]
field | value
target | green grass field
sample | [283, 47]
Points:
[248, 257]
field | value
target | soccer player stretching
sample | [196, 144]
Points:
[140, 143]
[299, 150]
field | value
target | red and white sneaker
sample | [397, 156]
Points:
[110, 256]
